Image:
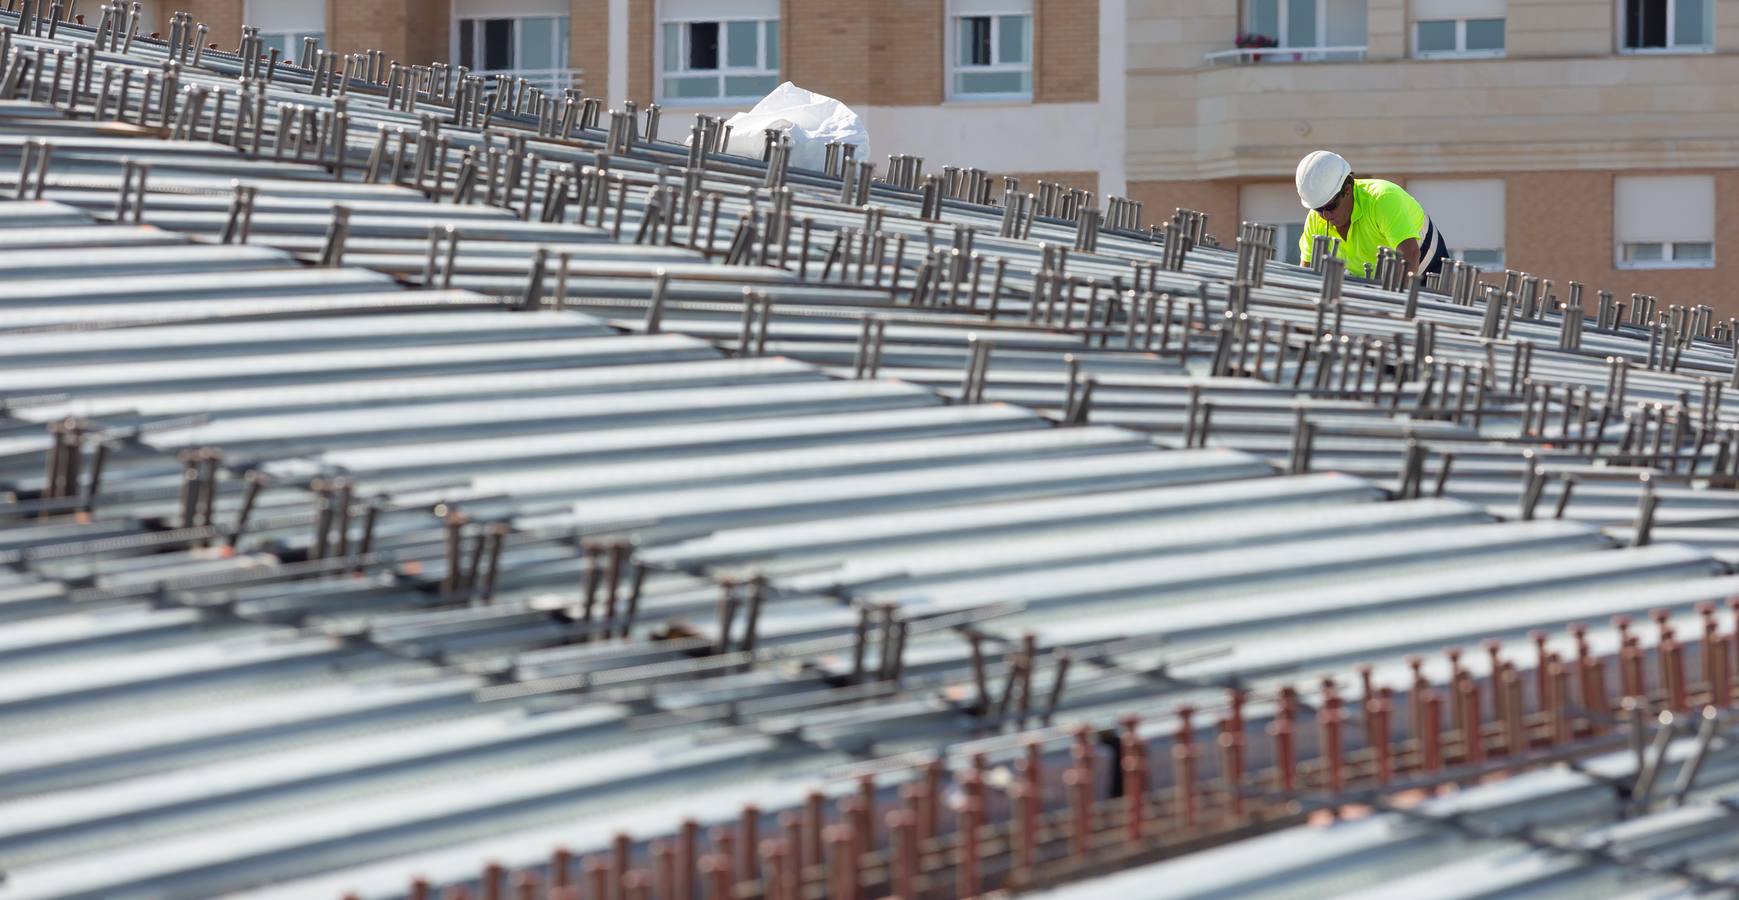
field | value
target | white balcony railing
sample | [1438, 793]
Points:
[1239, 55]
[546, 80]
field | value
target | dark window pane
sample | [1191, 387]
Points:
[467, 45]
[773, 46]
[975, 41]
[497, 44]
[703, 45]
[1645, 23]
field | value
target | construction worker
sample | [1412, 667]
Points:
[1365, 214]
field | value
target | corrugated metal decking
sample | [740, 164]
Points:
[414, 477]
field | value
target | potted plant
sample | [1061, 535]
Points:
[1255, 42]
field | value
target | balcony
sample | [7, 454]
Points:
[550, 81]
[1244, 55]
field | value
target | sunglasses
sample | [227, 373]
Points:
[1331, 205]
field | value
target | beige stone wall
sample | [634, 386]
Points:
[1390, 31]
[1665, 111]
[1561, 28]
[1726, 25]
[1029, 181]
[1175, 34]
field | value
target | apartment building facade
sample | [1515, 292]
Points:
[1012, 86]
[1582, 139]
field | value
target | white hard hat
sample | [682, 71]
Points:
[1320, 176]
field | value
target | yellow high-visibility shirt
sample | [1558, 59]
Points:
[1384, 215]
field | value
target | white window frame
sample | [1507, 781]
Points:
[1672, 22]
[1283, 16]
[1665, 211]
[724, 71]
[307, 19]
[1668, 259]
[1274, 204]
[1460, 51]
[1502, 260]
[951, 41]
[292, 43]
[1285, 52]
[558, 52]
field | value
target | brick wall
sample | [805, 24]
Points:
[589, 43]
[1560, 225]
[891, 52]
[906, 53]
[224, 17]
[826, 46]
[1219, 199]
[414, 32]
[642, 23]
[887, 53]
[1066, 51]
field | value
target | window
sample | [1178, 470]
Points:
[1483, 260]
[284, 23]
[991, 50]
[714, 51]
[1277, 205]
[1664, 222]
[1458, 28]
[1336, 26]
[1666, 255]
[529, 46]
[289, 44]
[1469, 213]
[1667, 25]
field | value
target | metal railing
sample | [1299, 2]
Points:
[1239, 55]
[546, 80]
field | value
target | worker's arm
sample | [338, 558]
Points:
[1409, 251]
